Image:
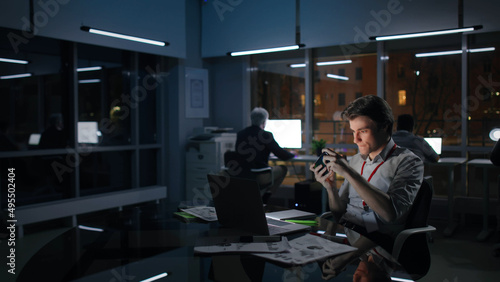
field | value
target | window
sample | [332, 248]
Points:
[79, 131]
[428, 88]
[328, 124]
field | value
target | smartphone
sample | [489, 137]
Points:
[320, 161]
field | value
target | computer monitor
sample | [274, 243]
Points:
[436, 143]
[88, 132]
[34, 139]
[287, 132]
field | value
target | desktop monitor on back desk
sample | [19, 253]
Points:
[287, 132]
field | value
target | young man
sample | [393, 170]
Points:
[381, 181]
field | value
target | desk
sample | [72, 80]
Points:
[450, 164]
[485, 164]
[138, 243]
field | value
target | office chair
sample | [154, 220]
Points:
[236, 165]
[410, 247]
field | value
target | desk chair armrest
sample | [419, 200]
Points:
[261, 169]
[401, 238]
[326, 214]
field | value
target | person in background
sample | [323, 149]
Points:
[54, 136]
[255, 145]
[404, 137]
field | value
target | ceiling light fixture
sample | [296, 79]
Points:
[329, 63]
[21, 75]
[454, 52]
[266, 50]
[89, 69]
[319, 64]
[426, 33]
[13, 61]
[87, 81]
[337, 76]
[156, 277]
[123, 36]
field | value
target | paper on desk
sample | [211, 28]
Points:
[205, 213]
[233, 245]
[308, 248]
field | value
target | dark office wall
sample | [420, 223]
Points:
[230, 91]
[62, 19]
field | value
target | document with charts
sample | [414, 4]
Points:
[306, 249]
[205, 213]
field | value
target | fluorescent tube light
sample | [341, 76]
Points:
[442, 53]
[333, 63]
[477, 50]
[123, 36]
[87, 81]
[159, 276]
[401, 279]
[337, 76]
[13, 61]
[267, 50]
[83, 227]
[426, 33]
[454, 52]
[319, 64]
[21, 75]
[89, 69]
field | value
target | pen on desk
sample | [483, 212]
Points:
[305, 222]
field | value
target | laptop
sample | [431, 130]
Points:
[238, 205]
[436, 143]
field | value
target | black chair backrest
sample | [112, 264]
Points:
[415, 255]
[236, 165]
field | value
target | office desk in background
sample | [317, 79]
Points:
[450, 164]
[485, 164]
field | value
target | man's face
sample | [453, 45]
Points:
[367, 136]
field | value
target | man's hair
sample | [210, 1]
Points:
[373, 107]
[259, 116]
[405, 122]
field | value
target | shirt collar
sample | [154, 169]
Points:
[383, 154]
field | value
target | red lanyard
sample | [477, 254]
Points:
[375, 170]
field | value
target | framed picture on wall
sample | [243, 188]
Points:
[196, 93]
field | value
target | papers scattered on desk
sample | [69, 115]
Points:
[215, 245]
[306, 249]
[205, 213]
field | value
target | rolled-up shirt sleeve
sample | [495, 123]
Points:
[405, 185]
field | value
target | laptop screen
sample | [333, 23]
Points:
[436, 143]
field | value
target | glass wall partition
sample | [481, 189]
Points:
[422, 80]
[70, 137]
[484, 89]
[338, 80]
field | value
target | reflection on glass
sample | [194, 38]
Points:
[484, 90]
[337, 85]
[428, 88]
[105, 172]
[38, 179]
[148, 167]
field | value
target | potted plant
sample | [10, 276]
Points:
[318, 145]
